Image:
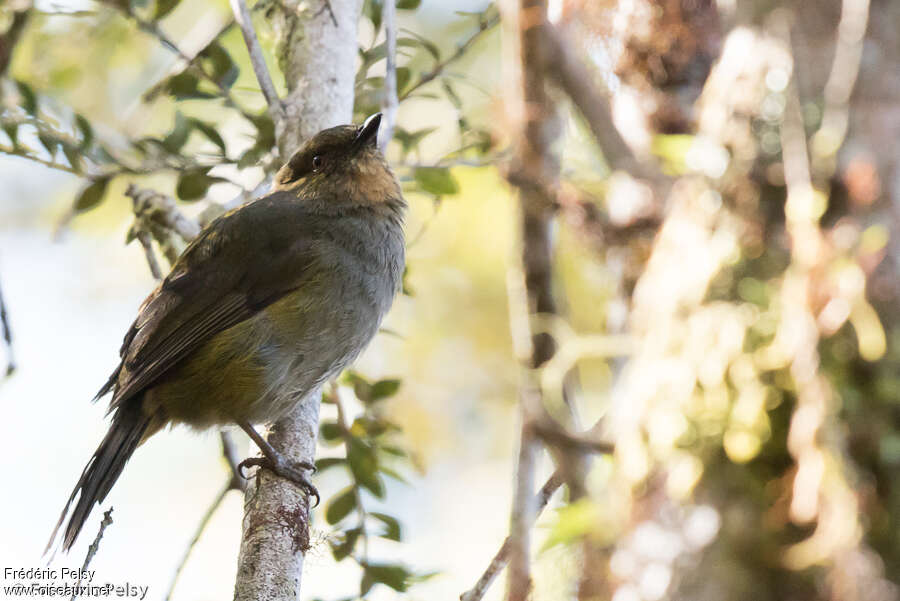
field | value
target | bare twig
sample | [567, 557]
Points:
[94, 547]
[204, 521]
[156, 217]
[391, 103]
[483, 26]
[235, 482]
[147, 243]
[501, 558]
[242, 16]
[7, 337]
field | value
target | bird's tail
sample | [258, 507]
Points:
[126, 432]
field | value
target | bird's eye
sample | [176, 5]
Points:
[317, 162]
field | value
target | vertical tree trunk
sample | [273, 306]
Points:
[317, 58]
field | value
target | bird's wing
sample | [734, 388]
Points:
[238, 265]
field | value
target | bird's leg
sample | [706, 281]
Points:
[278, 463]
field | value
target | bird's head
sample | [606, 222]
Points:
[342, 164]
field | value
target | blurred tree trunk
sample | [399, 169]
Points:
[317, 59]
[778, 61]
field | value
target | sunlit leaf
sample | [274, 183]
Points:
[436, 180]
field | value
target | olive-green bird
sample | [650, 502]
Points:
[267, 303]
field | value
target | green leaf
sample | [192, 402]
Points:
[408, 4]
[429, 46]
[403, 77]
[384, 389]
[12, 130]
[164, 7]
[341, 550]
[194, 183]
[330, 431]
[410, 139]
[364, 466]
[394, 576]
[210, 132]
[372, 9]
[29, 99]
[184, 86]
[361, 387]
[177, 138]
[221, 66]
[73, 156]
[87, 132]
[392, 450]
[436, 180]
[392, 526]
[393, 474]
[92, 195]
[50, 143]
[326, 462]
[340, 505]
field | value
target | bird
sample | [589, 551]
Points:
[265, 305]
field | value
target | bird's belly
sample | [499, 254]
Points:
[259, 369]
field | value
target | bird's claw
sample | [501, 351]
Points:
[289, 470]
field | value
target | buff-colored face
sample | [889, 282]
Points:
[336, 162]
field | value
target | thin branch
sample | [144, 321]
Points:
[94, 547]
[204, 521]
[391, 103]
[242, 16]
[501, 558]
[531, 286]
[21, 151]
[561, 65]
[7, 337]
[147, 243]
[483, 26]
[153, 29]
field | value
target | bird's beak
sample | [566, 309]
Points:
[368, 133]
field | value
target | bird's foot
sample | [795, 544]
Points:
[289, 470]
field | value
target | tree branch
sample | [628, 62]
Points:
[576, 81]
[242, 17]
[318, 61]
[484, 25]
[391, 103]
[501, 558]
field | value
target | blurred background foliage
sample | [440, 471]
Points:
[753, 401]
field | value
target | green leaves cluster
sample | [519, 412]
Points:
[370, 454]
